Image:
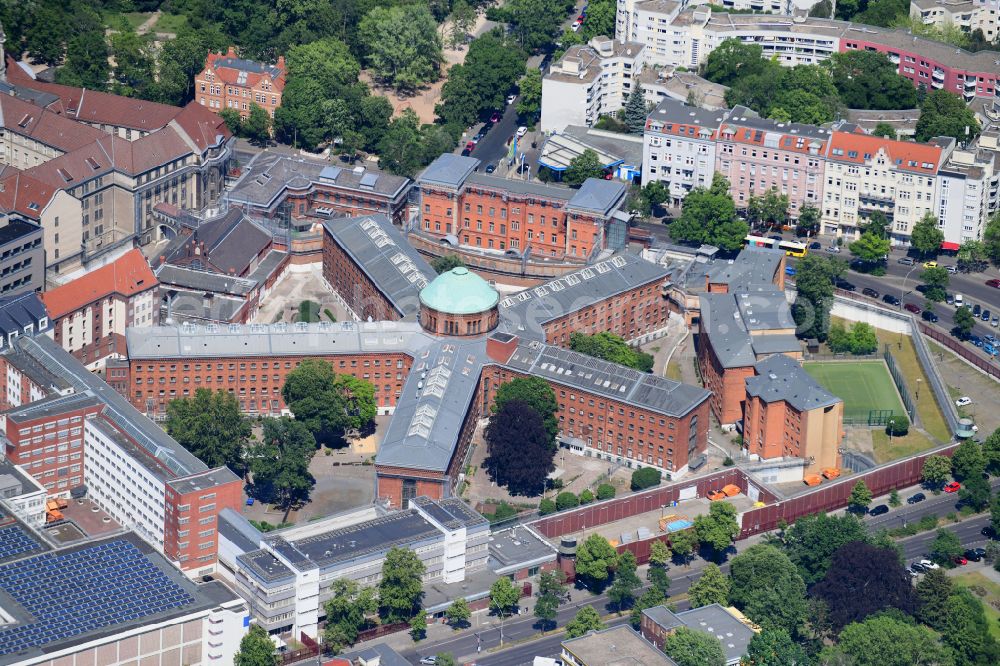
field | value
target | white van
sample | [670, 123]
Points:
[958, 301]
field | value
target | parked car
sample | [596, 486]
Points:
[951, 269]
[910, 307]
[960, 560]
[844, 284]
[511, 98]
[469, 146]
[977, 309]
[879, 510]
[906, 261]
[490, 168]
[989, 533]
[429, 661]
[890, 299]
[789, 270]
[495, 118]
[869, 292]
[963, 401]
[834, 249]
[916, 498]
[913, 572]
[952, 487]
[815, 245]
[949, 299]
[929, 316]
[521, 131]
[930, 264]
[986, 315]
[918, 567]
[922, 288]
[976, 340]
[995, 321]
[975, 554]
[993, 283]
[927, 564]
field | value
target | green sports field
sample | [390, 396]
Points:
[862, 385]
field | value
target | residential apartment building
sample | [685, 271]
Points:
[966, 15]
[91, 313]
[686, 37]
[589, 81]
[866, 174]
[729, 626]
[67, 428]
[22, 256]
[968, 186]
[679, 147]
[482, 211]
[230, 82]
[89, 167]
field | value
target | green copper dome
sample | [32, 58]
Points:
[459, 292]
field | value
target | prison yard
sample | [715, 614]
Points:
[869, 394]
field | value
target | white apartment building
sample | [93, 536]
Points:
[967, 15]
[865, 174]
[967, 189]
[588, 82]
[679, 147]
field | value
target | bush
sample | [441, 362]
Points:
[329, 315]
[504, 511]
[647, 477]
[546, 506]
[728, 462]
[566, 500]
[586, 497]
[605, 491]
[897, 425]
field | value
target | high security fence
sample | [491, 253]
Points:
[900, 382]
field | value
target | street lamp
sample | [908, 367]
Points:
[902, 295]
[918, 388]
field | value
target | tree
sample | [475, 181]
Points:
[347, 612]
[626, 582]
[595, 560]
[537, 394]
[646, 477]
[86, 62]
[659, 579]
[991, 453]
[546, 506]
[945, 114]
[767, 587]
[975, 492]
[463, 18]
[586, 620]
[659, 554]
[991, 238]
[966, 630]
[870, 248]
[552, 582]
[256, 649]
[649, 599]
[995, 513]
[257, 126]
[811, 541]
[635, 111]
[709, 216]
[972, 257]
[400, 591]
[933, 592]
[328, 404]
[884, 129]
[863, 339]
[688, 647]
[445, 659]
[547, 610]
[608, 346]
[210, 426]
[814, 280]
[654, 194]
[519, 455]
[566, 500]
[280, 463]
[683, 544]
[808, 222]
[860, 497]
[418, 625]
[863, 580]
[885, 640]
[233, 120]
[946, 545]
[504, 596]
[586, 496]
[897, 425]
[719, 528]
[134, 74]
[936, 280]
[869, 80]
[964, 321]
[732, 60]
[492, 66]
[585, 165]
[403, 149]
[446, 262]
[967, 460]
[607, 491]
[711, 588]
[529, 100]
[936, 470]
[774, 647]
[769, 210]
[926, 236]
[402, 45]
[458, 613]
[180, 59]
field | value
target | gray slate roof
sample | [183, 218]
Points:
[727, 319]
[448, 170]
[189, 278]
[782, 378]
[20, 311]
[525, 313]
[382, 252]
[597, 195]
[714, 620]
[575, 370]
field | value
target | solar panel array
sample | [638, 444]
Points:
[73, 593]
[15, 541]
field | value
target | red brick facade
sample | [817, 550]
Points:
[727, 385]
[443, 323]
[628, 315]
[225, 84]
[353, 285]
[190, 526]
[256, 382]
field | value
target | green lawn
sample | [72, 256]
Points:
[308, 311]
[170, 23]
[887, 449]
[988, 592]
[862, 385]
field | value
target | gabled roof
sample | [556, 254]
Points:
[228, 244]
[44, 126]
[23, 193]
[130, 274]
[780, 377]
[203, 127]
[905, 155]
[245, 73]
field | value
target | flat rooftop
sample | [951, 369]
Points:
[618, 646]
[518, 547]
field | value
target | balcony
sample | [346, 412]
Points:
[938, 75]
[875, 201]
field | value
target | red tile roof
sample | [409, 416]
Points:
[128, 275]
[45, 126]
[229, 69]
[905, 155]
[24, 194]
[201, 125]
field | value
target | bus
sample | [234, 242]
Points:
[790, 248]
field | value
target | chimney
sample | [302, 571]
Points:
[501, 346]
[281, 62]
[232, 52]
